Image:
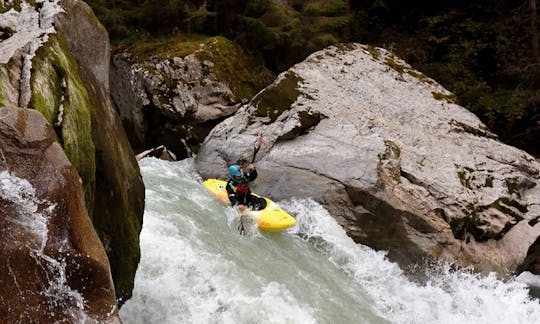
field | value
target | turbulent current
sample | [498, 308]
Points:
[196, 268]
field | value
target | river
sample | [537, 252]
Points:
[196, 268]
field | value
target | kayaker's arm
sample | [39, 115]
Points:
[251, 173]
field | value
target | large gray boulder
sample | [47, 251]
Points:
[395, 160]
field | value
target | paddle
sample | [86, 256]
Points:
[258, 144]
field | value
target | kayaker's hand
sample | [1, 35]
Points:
[251, 167]
[241, 208]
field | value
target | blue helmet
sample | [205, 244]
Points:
[234, 170]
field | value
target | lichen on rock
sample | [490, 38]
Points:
[53, 67]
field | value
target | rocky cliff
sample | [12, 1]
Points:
[52, 264]
[174, 90]
[393, 158]
[54, 58]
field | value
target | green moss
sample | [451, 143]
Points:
[394, 147]
[279, 97]
[325, 8]
[230, 64]
[420, 76]
[503, 204]
[6, 6]
[472, 224]
[165, 47]
[450, 98]
[307, 120]
[55, 83]
[244, 76]
[391, 62]
[462, 127]
[6, 32]
[374, 52]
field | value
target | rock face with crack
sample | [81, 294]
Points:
[393, 158]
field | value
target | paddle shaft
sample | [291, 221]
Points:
[257, 147]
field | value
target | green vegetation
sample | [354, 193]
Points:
[478, 131]
[374, 52]
[231, 64]
[450, 98]
[479, 50]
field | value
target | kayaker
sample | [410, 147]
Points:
[238, 189]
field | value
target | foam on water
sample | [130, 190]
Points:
[448, 297]
[196, 268]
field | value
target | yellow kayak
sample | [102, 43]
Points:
[271, 219]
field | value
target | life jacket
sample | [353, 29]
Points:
[241, 188]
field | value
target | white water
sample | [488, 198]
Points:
[196, 268]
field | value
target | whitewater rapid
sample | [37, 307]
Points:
[196, 268]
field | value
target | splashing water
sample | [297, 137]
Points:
[196, 268]
[29, 220]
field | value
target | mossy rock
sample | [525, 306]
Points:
[480, 131]
[390, 161]
[278, 97]
[373, 51]
[450, 98]
[244, 75]
[8, 5]
[401, 68]
[60, 95]
[307, 121]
